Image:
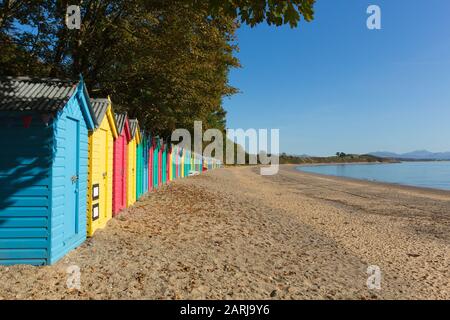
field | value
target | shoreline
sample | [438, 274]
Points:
[398, 186]
[336, 163]
[234, 234]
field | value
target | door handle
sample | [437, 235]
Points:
[105, 174]
[74, 178]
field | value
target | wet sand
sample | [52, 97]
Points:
[233, 234]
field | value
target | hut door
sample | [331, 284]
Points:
[72, 179]
[150, 168]
[133, 172]
[103, 142]
[123, 187]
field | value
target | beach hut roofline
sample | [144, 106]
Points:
[42, 95]
[35, 94]
[102, 108]
[120, 121]
[134, 130]
[133, 126]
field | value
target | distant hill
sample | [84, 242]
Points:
[384, 154]
[414, 155]
[343, 158]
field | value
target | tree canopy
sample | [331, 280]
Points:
[165, 62]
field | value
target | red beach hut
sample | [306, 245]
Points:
[168, 163]
[120, 164]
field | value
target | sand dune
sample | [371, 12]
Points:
[233, 234]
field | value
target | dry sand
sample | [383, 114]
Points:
[233, 234]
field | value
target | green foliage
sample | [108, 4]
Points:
[273, 12]
[339, 158]
[165, 62]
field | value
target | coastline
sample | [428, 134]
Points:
[337, 163]
[234, 234]
[399, 186]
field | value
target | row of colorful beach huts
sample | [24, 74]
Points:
[69, 164]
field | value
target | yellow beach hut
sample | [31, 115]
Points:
[100, 166]
[183, 154]
[131, 163]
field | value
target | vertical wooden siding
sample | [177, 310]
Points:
[150, 166]
[101, 144]
[60, 245]
[145, 148]
[131, 172]
[155, 167]
[139, 170]
[120, 170]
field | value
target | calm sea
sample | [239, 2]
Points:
[419, 174]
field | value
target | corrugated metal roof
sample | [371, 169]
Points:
[100, 106]
[133, 126]
[120, 120]
[37, 94]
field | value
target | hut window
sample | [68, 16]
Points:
[95, 211]
[95, 191]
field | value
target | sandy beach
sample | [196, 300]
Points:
[233, 234]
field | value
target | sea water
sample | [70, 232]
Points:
[429, 174]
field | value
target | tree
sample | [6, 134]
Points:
[165, 62]
[253, 12]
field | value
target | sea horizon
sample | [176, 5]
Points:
[431, 174]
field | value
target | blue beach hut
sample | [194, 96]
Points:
[44, 169]
[187, 162]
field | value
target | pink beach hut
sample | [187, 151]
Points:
[120, 164]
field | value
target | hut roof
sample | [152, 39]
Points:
[36, 94]
[133, 126]
[120, 120]
[100, 106]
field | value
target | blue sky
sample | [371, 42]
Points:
[333, 85]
